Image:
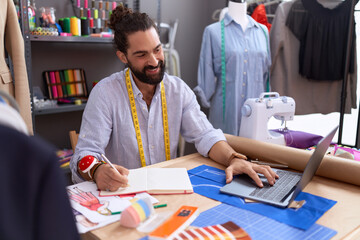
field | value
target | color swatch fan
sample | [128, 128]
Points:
[228, 230]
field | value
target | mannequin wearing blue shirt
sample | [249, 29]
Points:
[247, 63]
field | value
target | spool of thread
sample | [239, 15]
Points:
[61, 23]
[65, 34]
[79, 26]
[139, 210]
[96, 13]
[85, 3]
[85, 26]
[78, 3]
[88, 13]
[81, 12]
[113, 5]
[77, 102]
[100, 4]
[74, 26]
[91, 22]
[67, 25]
[92, 3]
[98, 23]
[103, 14]
[107, 5]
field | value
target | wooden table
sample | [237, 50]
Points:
[344, 217]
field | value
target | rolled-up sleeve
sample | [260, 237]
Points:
[206, 76]
[196, 128]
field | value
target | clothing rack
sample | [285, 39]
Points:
[346, 74]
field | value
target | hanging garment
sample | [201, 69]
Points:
[322, 33]
[247, 59]
[11, 40]
[259, 15]
[310, 96]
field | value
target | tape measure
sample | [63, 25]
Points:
[136, 121]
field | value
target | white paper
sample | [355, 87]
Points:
[91, 210]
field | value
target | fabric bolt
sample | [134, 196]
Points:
[247, 67]
[322, 33]
[310, 96]
[107, 123]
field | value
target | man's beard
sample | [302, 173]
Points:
[153, 79]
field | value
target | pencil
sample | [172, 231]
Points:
[160, 205]
[108, 161]
[113, 213]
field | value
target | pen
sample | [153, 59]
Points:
[160, 205]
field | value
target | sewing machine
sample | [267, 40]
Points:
[256, 113]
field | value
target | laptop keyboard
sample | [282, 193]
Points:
[281, 188]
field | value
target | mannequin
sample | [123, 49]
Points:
[237, 10]
[233, 66]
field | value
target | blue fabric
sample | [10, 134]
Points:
[247, 68]
[258, 226]
[207, 181]
[107, 124]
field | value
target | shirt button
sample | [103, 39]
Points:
[143, 108]
[244, 73]
[152, 146]
[245, 61]
[242, 95]
[150, 126]
[244, 84]
[246, 50]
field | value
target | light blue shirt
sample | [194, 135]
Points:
[107, 126]
[247, 67]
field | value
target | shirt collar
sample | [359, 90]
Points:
[252, 23]
[137, 91]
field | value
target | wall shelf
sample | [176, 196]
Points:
[59, 109]
[70, 39]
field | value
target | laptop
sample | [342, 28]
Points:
[289, 184]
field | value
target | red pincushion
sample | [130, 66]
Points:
[87, 162]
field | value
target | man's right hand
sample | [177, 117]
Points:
[108, 179]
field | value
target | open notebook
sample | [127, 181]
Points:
[155, 181]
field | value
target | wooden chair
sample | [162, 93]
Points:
[73, 139]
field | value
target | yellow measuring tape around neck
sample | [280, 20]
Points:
[136, 121]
